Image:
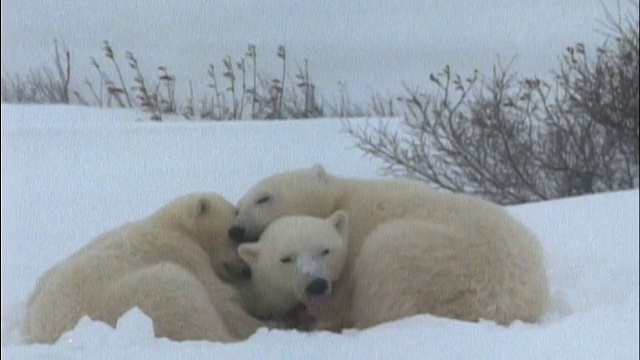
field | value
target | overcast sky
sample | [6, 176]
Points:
[363, 43]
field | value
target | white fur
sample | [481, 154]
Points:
[411, 249]
[164, 264]
[309, 265]
[318, 249]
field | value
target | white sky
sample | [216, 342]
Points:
[366, 44]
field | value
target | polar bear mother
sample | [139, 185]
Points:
[392, 222]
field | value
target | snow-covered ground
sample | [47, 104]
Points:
[70, 173]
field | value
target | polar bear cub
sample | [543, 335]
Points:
[169, 264]
[298, 261]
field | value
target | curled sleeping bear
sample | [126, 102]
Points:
[170, 265]
[410, 250]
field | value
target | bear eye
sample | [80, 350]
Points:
[263, 199]
[324, 252]
[286, 259]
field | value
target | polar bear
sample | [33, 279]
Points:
[297, 261]
[428, 269]
[398, 223]
[169, 265]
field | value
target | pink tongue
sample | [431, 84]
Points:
[317, 307]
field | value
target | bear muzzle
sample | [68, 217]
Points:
[240, 235]
[318, 287]
[236, 272]
[318, 298]
[237, 233]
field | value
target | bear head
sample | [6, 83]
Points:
[296, 262]
[206, 218]
[297, 192]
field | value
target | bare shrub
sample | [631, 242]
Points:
[240, 91]
[512, 139]
[256, 95]
[45, 85]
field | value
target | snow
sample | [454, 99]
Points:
[70, 173]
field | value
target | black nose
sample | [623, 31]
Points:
[246, 272]
[236, 233]
[317, 287]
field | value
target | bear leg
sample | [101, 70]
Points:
[173, 298]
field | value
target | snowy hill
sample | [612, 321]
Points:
[70, 173]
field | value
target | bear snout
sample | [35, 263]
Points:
[317, 287]
[237, 272]
[237, 233]
[246, 273]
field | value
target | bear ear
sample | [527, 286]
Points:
[249, 252]
[340, 221]
[203, 207]
[319, 171]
